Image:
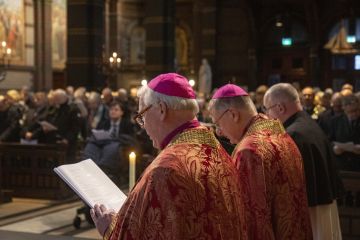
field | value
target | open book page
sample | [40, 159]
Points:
[29, 142]
[101, 134]
[47, 125]
[348, 146]
[91, 184]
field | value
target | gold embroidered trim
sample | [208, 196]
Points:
[196, 136]
[274, 126]
[110, 229]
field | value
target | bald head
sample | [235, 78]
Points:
[282, 92]
[281, 101]
[60, 96]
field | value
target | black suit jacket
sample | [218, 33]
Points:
[342, 131]
[323, 184]
[126, 127]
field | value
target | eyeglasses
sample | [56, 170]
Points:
[219, 118]
[265, 109]
[139, 118]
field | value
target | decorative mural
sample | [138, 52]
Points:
[12, 27]
[58, 33]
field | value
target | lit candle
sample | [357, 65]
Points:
[8, 51]
[3, 44]
[132, 170]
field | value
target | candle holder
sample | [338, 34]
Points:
[5, 59]
[112, 66]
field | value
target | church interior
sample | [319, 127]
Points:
[87, 53]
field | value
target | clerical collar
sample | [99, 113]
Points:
[191, 124]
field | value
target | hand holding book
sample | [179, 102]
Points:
[91, 184]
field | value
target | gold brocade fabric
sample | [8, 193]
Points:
[190, 191]
[272, 183]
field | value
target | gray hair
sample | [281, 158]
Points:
[282, 91]
[60, 96]
[94, 97]
[240, 102]
[80, 92]
[149, 96]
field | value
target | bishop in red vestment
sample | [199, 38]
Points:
[190, 191]
[270, 170]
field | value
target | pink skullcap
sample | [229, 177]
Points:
[229, 90]
[172, 84]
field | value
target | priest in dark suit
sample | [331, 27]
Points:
[322, 181]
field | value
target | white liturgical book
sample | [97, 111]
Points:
[48, 125]
[101, 134]
[91, 184]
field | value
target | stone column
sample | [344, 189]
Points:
[43, 51]
[204, 35]
[160, 36]
[85, 43]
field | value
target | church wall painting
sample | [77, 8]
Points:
[58, 33]
[12, 28]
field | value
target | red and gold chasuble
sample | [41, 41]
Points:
[189, 191]
[272, 182]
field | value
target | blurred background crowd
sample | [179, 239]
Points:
[70, 116]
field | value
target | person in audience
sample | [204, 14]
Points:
[345, 134]
[80, 100]
[347, 89]
[106, 96]
[323, 184]
[308, 100]
[107, 152]
[325, 118]
[357, 95]
[190, 190]
[98, 112]
[325, 100]
[269, 166]
[10, 115]
[63, 127]
[122, 95]
[70, 92]
[348, 86]
[318, 105]
[259, 96]
[26, 97]
[38, 113]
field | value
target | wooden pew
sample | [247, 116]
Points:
[27, 170]
[349, 209]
